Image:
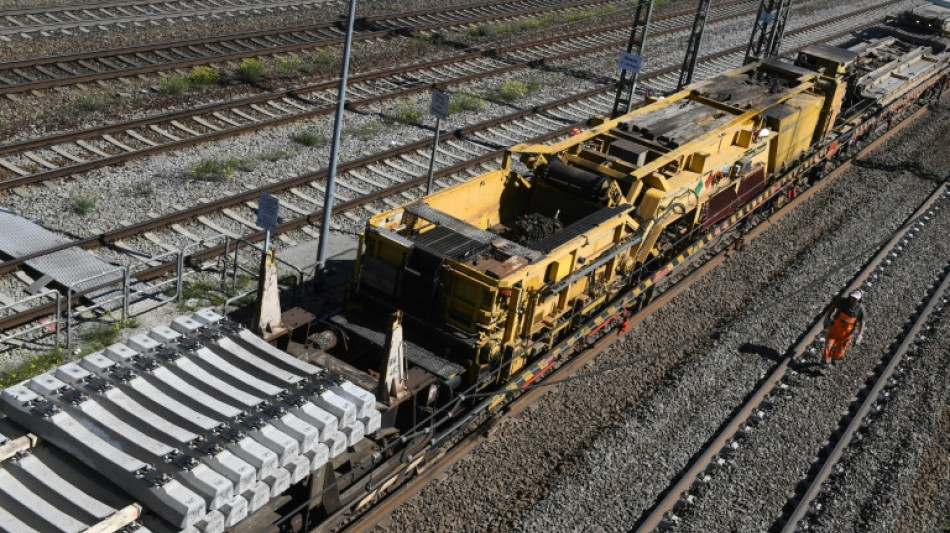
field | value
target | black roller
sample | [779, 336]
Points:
[576, 180]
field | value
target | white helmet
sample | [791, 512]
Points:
[857, 295]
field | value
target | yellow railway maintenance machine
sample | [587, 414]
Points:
[497, 267]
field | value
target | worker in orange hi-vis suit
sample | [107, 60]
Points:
[845, 317]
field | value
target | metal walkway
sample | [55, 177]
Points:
[68, 268]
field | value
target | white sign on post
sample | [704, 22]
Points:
[439, 106]
[630, 62]
[267, 207]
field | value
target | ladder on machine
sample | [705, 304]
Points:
[694, 44]
[768, 30]
[627, 85]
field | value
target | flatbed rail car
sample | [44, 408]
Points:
[483, 287]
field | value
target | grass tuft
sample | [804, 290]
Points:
[251, 70]
[203, 77]
[289, 65]
[535, 23]
[406, 113]
[465, 101]
[92, 102]
[33, 367]
[366, 130]
[174, 85]
[215, 169]
[511, 90]
[142, 190]
[309, 138]
[101, 336]
[83, 204]
[426, 39]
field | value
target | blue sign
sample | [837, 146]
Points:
[630, 62]
[267, 207]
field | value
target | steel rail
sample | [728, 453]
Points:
[67, 170]
[14, 28]
[155, 271]
[362, 35]
[790, 524]
[41, 10]
[329, 85]
[654, 517]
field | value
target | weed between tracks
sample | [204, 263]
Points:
[466, 100]
[309, 138]
[202, 293]
[511, 90]
[406, 113]
[363, 131]
[251, 70]
[200, 78]
[426, 39]
[215, 170]
[83, 204]
[535, 23]
[91, 102]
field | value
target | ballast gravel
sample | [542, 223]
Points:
[890, 477]
[592, 455]
[751, 489]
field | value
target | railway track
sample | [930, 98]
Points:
[855, 419]
[62, 155]
[370, 181]
[17, 76]
[67, 18]
[658, 517]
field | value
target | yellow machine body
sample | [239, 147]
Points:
[606, 201]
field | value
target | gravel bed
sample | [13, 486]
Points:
[112, 36]
[889, 477]
[548, 459]
[749, 491]
[157, 184]
[66, 108]
[117, 100]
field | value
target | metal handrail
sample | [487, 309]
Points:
[59, 313]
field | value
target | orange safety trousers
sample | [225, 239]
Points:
[839, 336]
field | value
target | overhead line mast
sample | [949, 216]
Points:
[694, 44]
[627, 85]
[769, 28]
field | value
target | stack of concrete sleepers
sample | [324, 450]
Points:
[201, 422]
[43, 489]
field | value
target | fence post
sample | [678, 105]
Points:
[234, 268]
[125, 293]
[59, 315]
[69, 315]
[180, 282]
[224, 267]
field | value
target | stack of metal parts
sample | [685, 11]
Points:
[201, 422]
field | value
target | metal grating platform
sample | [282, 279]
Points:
[67, 267]
[201, 423]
